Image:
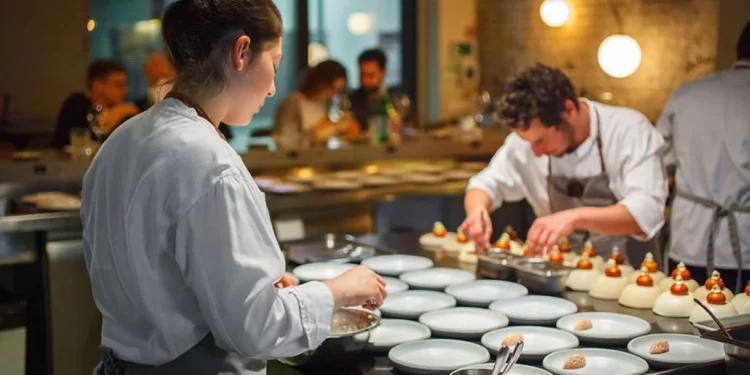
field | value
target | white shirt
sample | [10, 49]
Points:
[178, 242]
[707, 127]
[631, 148]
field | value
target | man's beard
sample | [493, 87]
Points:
[568, 136]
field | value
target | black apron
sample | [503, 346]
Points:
[568, 193]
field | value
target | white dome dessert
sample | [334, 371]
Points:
[642, 294]
[715, 279]
[741, 302]
[458, 244]
[716, 301]
[583, 277]
[653, 270]
[677, 302]
[682, 271]
[625, 268]
[610, 285]
[436, 238]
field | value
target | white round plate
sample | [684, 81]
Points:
[437, 356]
[466, 323]
[537, 341]
[436, 278]
[393, 285]
[392, 332]
[481, 293]
[394, 265]
[683, 350]
[459, 174]
[534, 310]
[515, 370]
[413, 303]
[320, 271]
[598, 362]
[607, 328]
[379, 180]
[336, 185]
[287, 188]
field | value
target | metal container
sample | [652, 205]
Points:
[728, 322]
[541, 276]
[738, 346]
[472, 371]
[329, 248]
[496, 264]
[350, 332]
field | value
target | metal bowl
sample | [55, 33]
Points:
[541, 276]
[350, 332]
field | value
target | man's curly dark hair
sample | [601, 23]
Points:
[537, 92]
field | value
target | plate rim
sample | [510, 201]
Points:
[491, 365]
[437, 368]
[540, 328]
[538, 297]
[396, 274]
[412, 291]
[483, 281]
[656, 359]
[434, 269]
[545, 361]
[317, 264]
[397, 280]
[412, 323]
[502, 316]
[588, 335]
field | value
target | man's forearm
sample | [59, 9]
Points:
[613, 220]
[475, 199]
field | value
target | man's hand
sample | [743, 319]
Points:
[548, 229]
[286, 281]
[478, 228]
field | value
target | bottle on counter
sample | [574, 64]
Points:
[385, 123]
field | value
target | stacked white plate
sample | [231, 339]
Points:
[320, 271]
[395, 265]
[598, 362]
[411, 304]
[607, 328]
[436, 278]
[437, 356]
[392, 332]
[466, 323]
[481, 293]
[393, 285]
[538, 342]
[683, 350]
[534, 310]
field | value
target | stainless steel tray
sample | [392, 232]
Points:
[496, 264]
[329, 248]
[730, 322]
[541, 276]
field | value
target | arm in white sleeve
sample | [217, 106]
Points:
[643, 178]
[665, 126]
[229, 256]
[500, 179]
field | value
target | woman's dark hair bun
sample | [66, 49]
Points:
[199, 35]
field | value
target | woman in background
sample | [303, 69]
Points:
[177, 237]
[302, 118]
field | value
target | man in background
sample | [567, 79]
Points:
[366, 99]
[159, 75]
[103, 102]
[706, 126]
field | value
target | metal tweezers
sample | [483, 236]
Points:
[506, 359]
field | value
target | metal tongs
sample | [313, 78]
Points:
[503, 363]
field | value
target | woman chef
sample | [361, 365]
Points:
[177, 237]
[589, 170]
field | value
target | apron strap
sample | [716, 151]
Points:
[734, 237]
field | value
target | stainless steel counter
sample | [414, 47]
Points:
[407, 243]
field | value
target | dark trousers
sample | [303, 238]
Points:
[700, 274]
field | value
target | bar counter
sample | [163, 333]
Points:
[407, 243]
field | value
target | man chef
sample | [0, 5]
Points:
[706, 126]
[589, 170]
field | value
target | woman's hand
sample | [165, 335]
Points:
[358, 286]
[286, 281]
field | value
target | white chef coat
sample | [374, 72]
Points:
[706, 124]
[631, 148]
[178, 243]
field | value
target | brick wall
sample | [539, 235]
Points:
[677, 39]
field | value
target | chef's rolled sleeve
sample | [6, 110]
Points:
[229, 257]
[501, 179]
